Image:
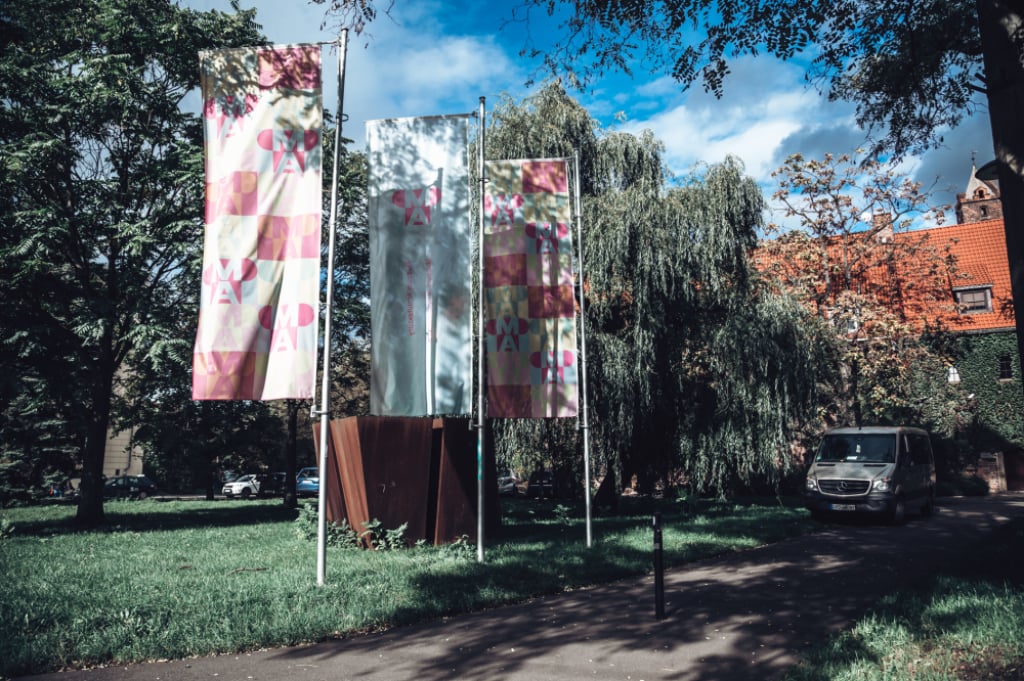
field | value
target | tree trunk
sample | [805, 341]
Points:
[607, 495]
[291, 455]
[1002, 37]
[212, 480]
[90, 503]
[855, 392]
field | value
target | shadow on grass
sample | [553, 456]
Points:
[924, 621]
[156, 516]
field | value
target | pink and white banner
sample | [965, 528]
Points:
[420, 266]
[530, 313]
[262, 117]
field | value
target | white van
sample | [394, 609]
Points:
[882, 470]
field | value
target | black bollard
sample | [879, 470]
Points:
[659, 571]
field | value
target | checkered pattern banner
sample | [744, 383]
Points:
[528, 284]
[262, 116]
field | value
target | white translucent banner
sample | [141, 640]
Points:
[420, 266]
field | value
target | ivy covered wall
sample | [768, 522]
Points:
[999, 401]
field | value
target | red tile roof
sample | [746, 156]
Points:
[981, 260]
[978, 250]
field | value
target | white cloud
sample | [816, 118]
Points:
[447, 75]
[705, 129]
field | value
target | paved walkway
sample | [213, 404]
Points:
[743, 616]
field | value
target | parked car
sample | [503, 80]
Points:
[270, 484]
[508, 485]
[245, 486]
[541, 485]
[129, 487]
[884, 471]
[307, 482]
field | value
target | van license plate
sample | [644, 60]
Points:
[843, 507]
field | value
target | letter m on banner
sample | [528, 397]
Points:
[262, 120]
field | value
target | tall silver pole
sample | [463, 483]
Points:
[481, 345]
[584, 423]
[325, 378]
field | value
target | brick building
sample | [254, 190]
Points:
[988, 363]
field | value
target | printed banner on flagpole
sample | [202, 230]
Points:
[262, 117]
[530, 312]
[420, 266]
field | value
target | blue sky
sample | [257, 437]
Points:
[434, 57]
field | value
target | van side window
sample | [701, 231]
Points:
[919, 447]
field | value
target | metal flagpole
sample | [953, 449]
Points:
[325, 378]
[584, 423]
[481, 345]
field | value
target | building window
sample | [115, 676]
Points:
[984, 211]
[1005, 368]
[970, 300]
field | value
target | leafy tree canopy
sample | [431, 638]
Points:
[881, 289]
[101, 177]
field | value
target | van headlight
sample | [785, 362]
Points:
[881, 484]
[812, 484]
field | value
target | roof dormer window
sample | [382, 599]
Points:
[974, 299]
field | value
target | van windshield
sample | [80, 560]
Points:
[878, 448]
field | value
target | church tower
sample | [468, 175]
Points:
[980, 202]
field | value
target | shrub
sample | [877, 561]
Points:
[337, 534]
[963, 485]
[383, 539]
[345, 536]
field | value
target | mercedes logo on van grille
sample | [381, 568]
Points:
[842, 486]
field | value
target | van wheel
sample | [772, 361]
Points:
[898, 515]
[929, 506]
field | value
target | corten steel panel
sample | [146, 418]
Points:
[335, 495]
[455, 447]
[384, 465]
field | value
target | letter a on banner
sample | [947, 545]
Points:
[530, 309]
[262, 116]
[420, 272]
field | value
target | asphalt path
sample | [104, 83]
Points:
[748, 615]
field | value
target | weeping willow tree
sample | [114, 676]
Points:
[695, 373]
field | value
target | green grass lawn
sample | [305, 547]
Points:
[966, 623]
[175, 579]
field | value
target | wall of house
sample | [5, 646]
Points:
[120, 457]
[999, 402]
